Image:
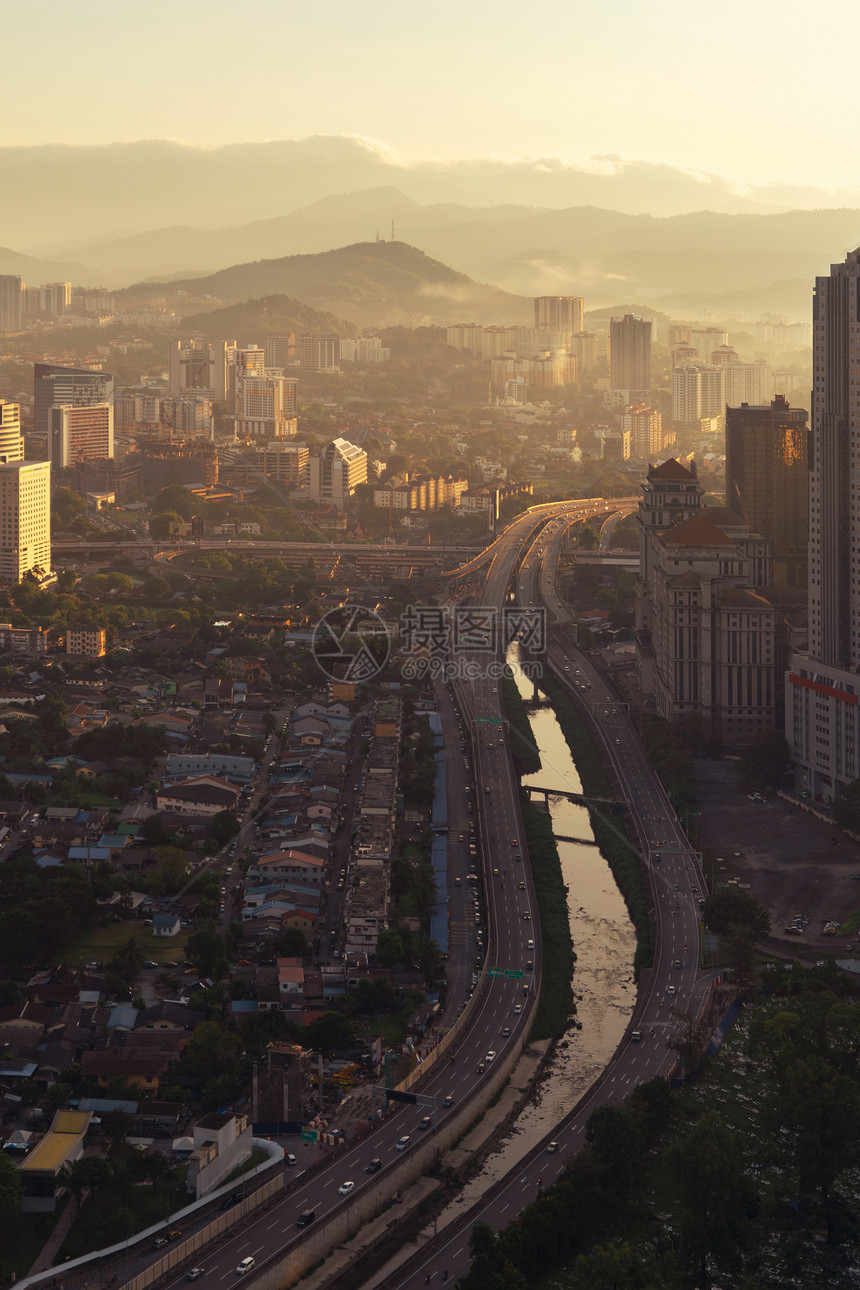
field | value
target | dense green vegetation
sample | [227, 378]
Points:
[607, 824]
[523, 750]
[556, 997]
[746, 1180]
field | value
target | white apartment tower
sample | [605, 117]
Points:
[25, 519]
[822, 704]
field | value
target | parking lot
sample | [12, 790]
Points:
[793, 862]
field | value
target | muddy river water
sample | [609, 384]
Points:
[604, 943]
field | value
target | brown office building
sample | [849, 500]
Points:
[767, 480]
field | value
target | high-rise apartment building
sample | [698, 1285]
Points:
[25, 519]
[630, 355]
[559, 313]
[76, 387]
[698, 392]
[202, 367]
[319, 353]
[11, 302]
[263, 407]
[822, 720]
[335, 474]
[748, 383]
[80, 434]
[281, 351]
[767, 480]
[11, 443]
[645, 427]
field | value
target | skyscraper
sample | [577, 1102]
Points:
[25, 519]
[630, 357]
[767, 480]
[201, 368]
[11, 302]
[559, 313]
[823, 684]
[81, 434]
[76, 387]
[11, 443]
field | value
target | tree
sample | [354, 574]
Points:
[224, 826]
[716, 1198]
[765, 763]
[205, 949]
[331, 1032]
[128, 961]
[292, 943]
[846, 807]
[389, 947]
[731, 908]
[10, 1193]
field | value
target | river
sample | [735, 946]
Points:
[604, 941]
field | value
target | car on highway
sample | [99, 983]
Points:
[403, 1143]
[506, 1030]
[374, 1166]
[345, 1188]
[481, 1067]
[514, 842]
[518, 1007]
[425, 1123]
[290, 1159]
[530, 945]
[529, 964]
[552, 1147]
[491, 1055]
[306, 1217]
[448, 1101]
[670, 989]
[149, 964]
[521, 886]
[193, 1273]
[246, 1265]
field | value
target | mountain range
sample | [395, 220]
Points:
[370, 284]
[167, 211]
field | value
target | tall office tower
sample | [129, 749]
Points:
[335, 474]
[630, 355]
[767, 480]
[81, 434]
[25, 519]
[57, 298]
[822, 711]
[76, 387]
[11, 302]
[11, 443]
[250, 361]
[320, 353]
[559, 313]
[201, 366]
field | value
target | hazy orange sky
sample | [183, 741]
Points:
[754, 89]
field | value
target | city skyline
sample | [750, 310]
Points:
[423, 105]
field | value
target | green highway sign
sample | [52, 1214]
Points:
[494, 971]
[310, 1135]
[513, 974]
[489, 721]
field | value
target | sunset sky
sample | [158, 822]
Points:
[753, 89]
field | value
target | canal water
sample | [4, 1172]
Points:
[604, 942]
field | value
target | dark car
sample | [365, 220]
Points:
[306, 1217]
[374, 1166]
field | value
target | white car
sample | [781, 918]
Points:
[245, 1266]
[345, 1188]
[490, 1055]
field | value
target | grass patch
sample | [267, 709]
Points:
[98, 944]
[556, 998]
[608, 826]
